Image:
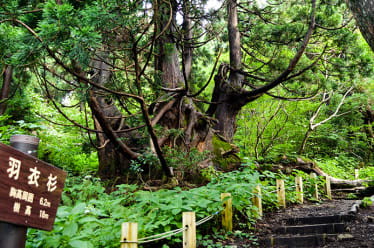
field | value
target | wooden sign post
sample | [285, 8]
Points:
[30, 190]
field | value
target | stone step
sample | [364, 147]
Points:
[311, 220]
[303, 241]
[330, 228]
[317, 240]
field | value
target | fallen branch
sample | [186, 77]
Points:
[336, 182]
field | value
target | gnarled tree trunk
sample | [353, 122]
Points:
[114, 156]
[227, 90]
[363, 12]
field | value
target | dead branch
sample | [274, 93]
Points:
[312, 126]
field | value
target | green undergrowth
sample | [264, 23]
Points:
[90, 217]
[366, 173]
[338, 167]
[344, 168]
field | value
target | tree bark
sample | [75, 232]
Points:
[167, 62]
[5, 89]
[227, 92]
[187, 40]
[114, 155]
[363, 12]
[181, 113]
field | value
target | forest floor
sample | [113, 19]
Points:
[359, 230]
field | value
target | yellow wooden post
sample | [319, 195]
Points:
[356, 173]
[315, 186]
[189, 235]
[281, 193]
[257, 201]
[129, 233]
[227, 212]
[328, 187]
[299, 189]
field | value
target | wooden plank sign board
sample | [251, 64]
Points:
[30, 189]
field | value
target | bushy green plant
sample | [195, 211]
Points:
[66, 150]
[366, 202]
[90, 217]
[367, 173]
[339, 167]
[352, 196]
[178, 158]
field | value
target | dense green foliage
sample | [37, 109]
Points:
[89, 217]
[270, 129]
[52, 46]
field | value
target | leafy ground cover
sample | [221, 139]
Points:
[91, 217]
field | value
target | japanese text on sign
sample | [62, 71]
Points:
[14, 170]
[31, 189]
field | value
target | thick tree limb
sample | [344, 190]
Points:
[147, 119]
[108, 130]
[160, 113]
[292, 63]
[79, 76]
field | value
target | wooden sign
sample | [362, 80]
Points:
[30, 189]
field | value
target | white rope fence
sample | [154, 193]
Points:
[168, 234]
[206, 219]
[160, 236]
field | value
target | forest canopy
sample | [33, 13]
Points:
[149, 85]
